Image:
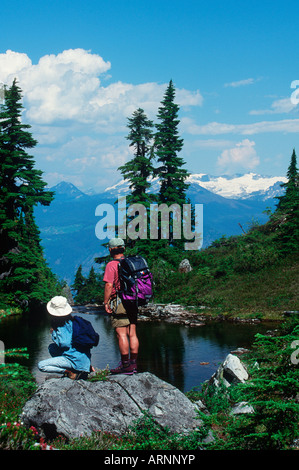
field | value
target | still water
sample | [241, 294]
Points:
[183, 356]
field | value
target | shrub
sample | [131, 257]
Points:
[146, 434]
[14, 436]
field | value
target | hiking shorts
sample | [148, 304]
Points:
[124, 313]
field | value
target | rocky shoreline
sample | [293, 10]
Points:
[174, 313]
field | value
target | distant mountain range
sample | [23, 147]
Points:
[67, 226]
[250, 185]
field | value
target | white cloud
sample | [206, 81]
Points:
[280, 106]
[242, 156]
[12, 63]
[217, 128]
[67, 87]
[58, 87]
[188, 98]
[247, 81]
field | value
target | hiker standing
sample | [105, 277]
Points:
[66, 359]
[123, 313]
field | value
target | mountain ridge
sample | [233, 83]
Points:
[238, 186]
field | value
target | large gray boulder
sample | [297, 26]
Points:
[76, 408]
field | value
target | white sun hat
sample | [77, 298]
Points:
[59, 306]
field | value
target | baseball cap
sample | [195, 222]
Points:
[115, 242]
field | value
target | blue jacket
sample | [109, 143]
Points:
[62, 337]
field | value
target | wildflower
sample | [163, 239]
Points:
[34, 430]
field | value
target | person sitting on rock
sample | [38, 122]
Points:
[65, 359]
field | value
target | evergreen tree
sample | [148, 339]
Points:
[167, 146]
[79, 281]
[92, 285]
[140, 168]
[290, 198]
[170, 169]
[24, 274]
[88, 290]
[287, 211]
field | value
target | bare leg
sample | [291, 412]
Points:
[133, 339]
[123, 340]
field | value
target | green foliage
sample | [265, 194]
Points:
[8, 311]
[147, 434]
[100, 375]
[99, 440]
[15, 436]
[16, 385]
[88, 289]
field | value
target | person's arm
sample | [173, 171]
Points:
[107, 295]
[62, 336]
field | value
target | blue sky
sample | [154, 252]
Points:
[84, 68]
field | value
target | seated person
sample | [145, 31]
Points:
[65, 358]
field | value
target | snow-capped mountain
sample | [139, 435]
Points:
[232, 187]
[240, 186]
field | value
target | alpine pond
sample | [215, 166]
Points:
[181, 355]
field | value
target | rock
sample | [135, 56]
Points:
[201, 406]
[230, 371]
[242, 408]
[75, 408]
[171, 313]
[240, 351]
[185, 266]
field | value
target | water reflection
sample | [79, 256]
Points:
[180, 355]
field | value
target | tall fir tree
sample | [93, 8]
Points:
[172, 175]
[140, 168]
[79, 281]
[168, 144]
[290, 196]
[24, 274]
[287, 210]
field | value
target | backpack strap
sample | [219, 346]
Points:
[118, 260]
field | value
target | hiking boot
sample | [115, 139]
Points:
[134, 365]
[75, 375]
[81, 375]
[123, 368]
[70, 374]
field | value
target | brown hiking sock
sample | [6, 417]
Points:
[125, 359]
